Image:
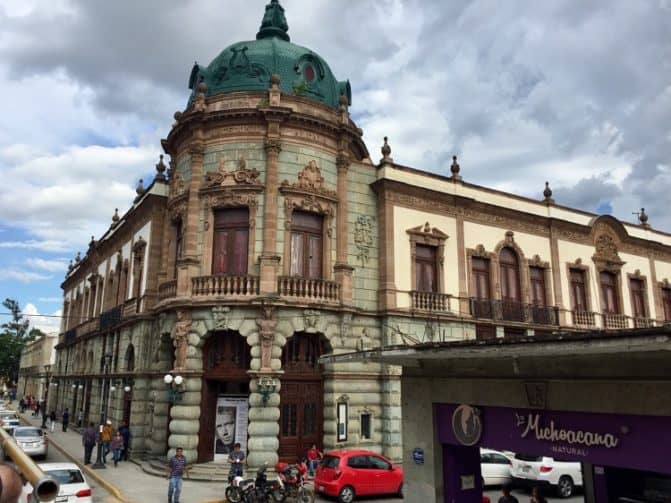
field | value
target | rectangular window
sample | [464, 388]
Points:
[578, 289]
[537, 278]
[666, 302]
[480, 267]
[306, 245]
[365, 427]
[425, 268]
[637, 291]
[231, 238]
[609, 302]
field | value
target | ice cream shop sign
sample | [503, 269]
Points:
[628, 441]
[531, 424]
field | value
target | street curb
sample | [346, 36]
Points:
[111, 488]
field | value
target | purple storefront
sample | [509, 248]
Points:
[629, 456]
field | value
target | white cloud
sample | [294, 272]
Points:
[50, 299]
[46, 245]
[46, 323]
[47, 265]
[22, 276]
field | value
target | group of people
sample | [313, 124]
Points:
[536, 496]
[116, 442]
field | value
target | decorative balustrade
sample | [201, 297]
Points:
[431, 301]
[643, 322]
[225, 285]
[87, 327]
[507, 310]
[311, 290]
[110, 318]
[615, 321]
[584, 318]
[167, 290]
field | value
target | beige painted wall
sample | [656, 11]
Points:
[568, 253]
[405, 219]
[663, 270]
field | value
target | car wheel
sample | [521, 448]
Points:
[399, 493]
[346, 494]
[565, 486]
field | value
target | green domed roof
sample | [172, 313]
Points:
[248, 66]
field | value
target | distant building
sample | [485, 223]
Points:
[37, 358]
[273, 239]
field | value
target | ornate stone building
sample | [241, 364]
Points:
[273, 239]
[37, 359]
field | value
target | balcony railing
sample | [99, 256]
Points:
[431, 301]
[110, 318]
[615, 320]
[167, 290]
[643, 322]
[311, 290]
[88, 326]
[584, 318]
[507, 310]
[225, 285]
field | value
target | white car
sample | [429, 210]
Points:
[9, 420]
[73, 485]
[32, 440]
[495, 467]
[563, 476]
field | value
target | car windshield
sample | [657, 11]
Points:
[67, 476]
[28, 432]
[330, 461]
[528, 457]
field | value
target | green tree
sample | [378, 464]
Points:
[13, 338]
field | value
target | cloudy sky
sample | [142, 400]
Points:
[574, 92]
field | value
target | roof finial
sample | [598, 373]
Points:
[547, 193]
[274, 24]
[386, 150]
[643, 218]
[139, 190]
[160, 169]
[115, 217]
[455, 168]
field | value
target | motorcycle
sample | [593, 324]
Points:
[291, 483]
[235, 487]
[259, 490]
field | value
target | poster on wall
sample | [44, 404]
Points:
[230, 425]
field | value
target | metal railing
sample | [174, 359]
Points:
[309, 289]
[225, 285]
[507, 310]
[110, 317]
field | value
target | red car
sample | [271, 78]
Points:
[347, 474]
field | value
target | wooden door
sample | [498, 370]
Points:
[301, 418]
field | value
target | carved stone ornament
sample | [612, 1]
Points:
[310, 319]
[606, 252]
[363, 238]
[229, 198]
[480, 252]
[310, 180]
[266, 323]
[181, 339]
[241, 176]
[536, 261]
[427, 234]
[220, 315]
[139, 246]
[178, 210]
[177, 186]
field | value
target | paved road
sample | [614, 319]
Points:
[524, 497]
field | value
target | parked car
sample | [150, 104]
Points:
[32, 440]
[73, 485]
[495, 467]
[349, 474]
[563, 476]
[9, 420]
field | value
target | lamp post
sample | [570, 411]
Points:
[45, 408]
[103, 412]
[176, 388]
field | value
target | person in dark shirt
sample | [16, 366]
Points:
[507, 497]
[88, 441]
[537, 496]
[176, 470]
[236, 457]
[65, 419]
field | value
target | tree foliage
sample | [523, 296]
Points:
[13, 338]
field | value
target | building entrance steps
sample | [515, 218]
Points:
[140, 481]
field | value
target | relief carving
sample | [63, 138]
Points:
[310, 179]
[363, 238]
[229, 198]
[177, 186]
[241, 176]
[181, 339]
[310, 319]
[178, 210]
[606, 256]
[266, 323]
[220, 315]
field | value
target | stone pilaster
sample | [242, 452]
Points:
[343, 271]
[392, 441]
[269, 261]
[264, 426]
[158, 409]
[184, 419]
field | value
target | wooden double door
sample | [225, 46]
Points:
[301, 418]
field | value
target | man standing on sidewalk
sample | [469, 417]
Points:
[89, 441]
[176, 469]
[66, 419]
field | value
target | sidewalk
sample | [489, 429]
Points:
[128, 483]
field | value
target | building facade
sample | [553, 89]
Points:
[37, 358]
[272, 239]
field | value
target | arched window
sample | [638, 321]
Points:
[130, 358]
[510, 275]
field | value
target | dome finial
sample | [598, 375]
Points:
[547, 194]
[274, 24]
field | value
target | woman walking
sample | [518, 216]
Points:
[116, 446]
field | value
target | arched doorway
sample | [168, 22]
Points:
[226, 360]
[301, 395]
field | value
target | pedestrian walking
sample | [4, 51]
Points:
[88, 441]
[537, 496]
[116, 445]
[106, 436]
[52, 421]
[80, 418]
[125, 434]
[507, 497]
[65, 419]
[176, 470]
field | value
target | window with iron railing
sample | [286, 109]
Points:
[609, 298]
[578, 291]
[425, 268]
[637, 292]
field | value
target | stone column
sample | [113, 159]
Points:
[269, 260]
[189, 264]
[343, 271]
[157, 419]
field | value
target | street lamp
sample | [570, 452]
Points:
[176, 389]
[103, 411]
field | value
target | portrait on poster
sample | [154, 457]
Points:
[230, 425]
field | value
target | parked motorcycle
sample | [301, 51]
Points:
[235, 487]
[259, 490]
[291, 483]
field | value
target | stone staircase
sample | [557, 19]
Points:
[205, 472]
